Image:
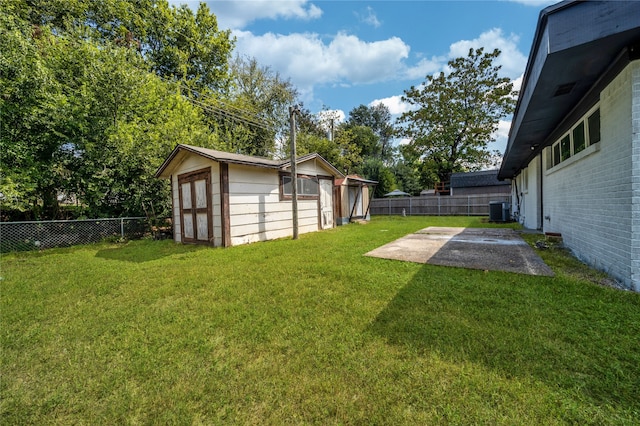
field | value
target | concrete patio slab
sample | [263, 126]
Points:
[495, 249]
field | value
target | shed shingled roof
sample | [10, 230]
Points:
[248, 160]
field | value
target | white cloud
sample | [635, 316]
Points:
[425, 67]
[237, 14]
[308, 60]
[394, 103]
[501, 135]
[517, 83]
[369, 17]
[511, 59]
[535, 3]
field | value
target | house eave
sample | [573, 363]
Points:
[575, 44]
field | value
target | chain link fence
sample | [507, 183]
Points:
[24, 236]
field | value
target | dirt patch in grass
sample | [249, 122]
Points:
[564, 262]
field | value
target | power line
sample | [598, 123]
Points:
[224, 111]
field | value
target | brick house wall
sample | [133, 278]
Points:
[635, 175]
[593, 199]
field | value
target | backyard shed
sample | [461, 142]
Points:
[225, 199]
[353, 194]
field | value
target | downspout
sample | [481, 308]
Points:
[541, 213]
[515, 183]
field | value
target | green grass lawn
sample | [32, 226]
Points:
[310, 332]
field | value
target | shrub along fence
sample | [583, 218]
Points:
[23, 236]
[434, 205]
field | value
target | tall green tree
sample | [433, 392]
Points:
[343, 152]
[124, 122]
[374, 169]
[32, 163]
[176, 42]
[257, 106]
[407, 177]
[454, 116]
[85, 119]
[186, 45]
[378, 119]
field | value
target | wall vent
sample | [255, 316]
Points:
[564, 89]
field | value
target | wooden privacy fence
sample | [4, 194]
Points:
[434, 205]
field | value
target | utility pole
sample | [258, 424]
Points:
[331, 134]
[293, 110]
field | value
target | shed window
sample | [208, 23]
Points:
[307, 186]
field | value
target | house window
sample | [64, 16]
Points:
[594, 127]
[556, 154]
[565, 148]
[307, 186]
[584, 133]
[579, 141]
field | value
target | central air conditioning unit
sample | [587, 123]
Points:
[499, 211]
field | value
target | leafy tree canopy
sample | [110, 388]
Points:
[84, 118]
[454, 116]
[259, 101]
[175, 42]
[378, 119]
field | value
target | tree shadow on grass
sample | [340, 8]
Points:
[577, 337]
[145, 251]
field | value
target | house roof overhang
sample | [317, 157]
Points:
[576, 47]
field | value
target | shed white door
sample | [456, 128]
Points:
[196, 206]
[355, 201]
[326, 203]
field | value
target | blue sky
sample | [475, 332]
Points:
[341, 54]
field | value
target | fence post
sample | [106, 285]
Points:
[468, 205]
[438, 204]
[389, 200]
[121, 227]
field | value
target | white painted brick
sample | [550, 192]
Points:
[595, 202]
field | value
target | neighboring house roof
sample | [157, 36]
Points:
[227, 157]
[576, 46]
[475, 179]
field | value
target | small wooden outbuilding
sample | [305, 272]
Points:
[224, 199]
[353, 194]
